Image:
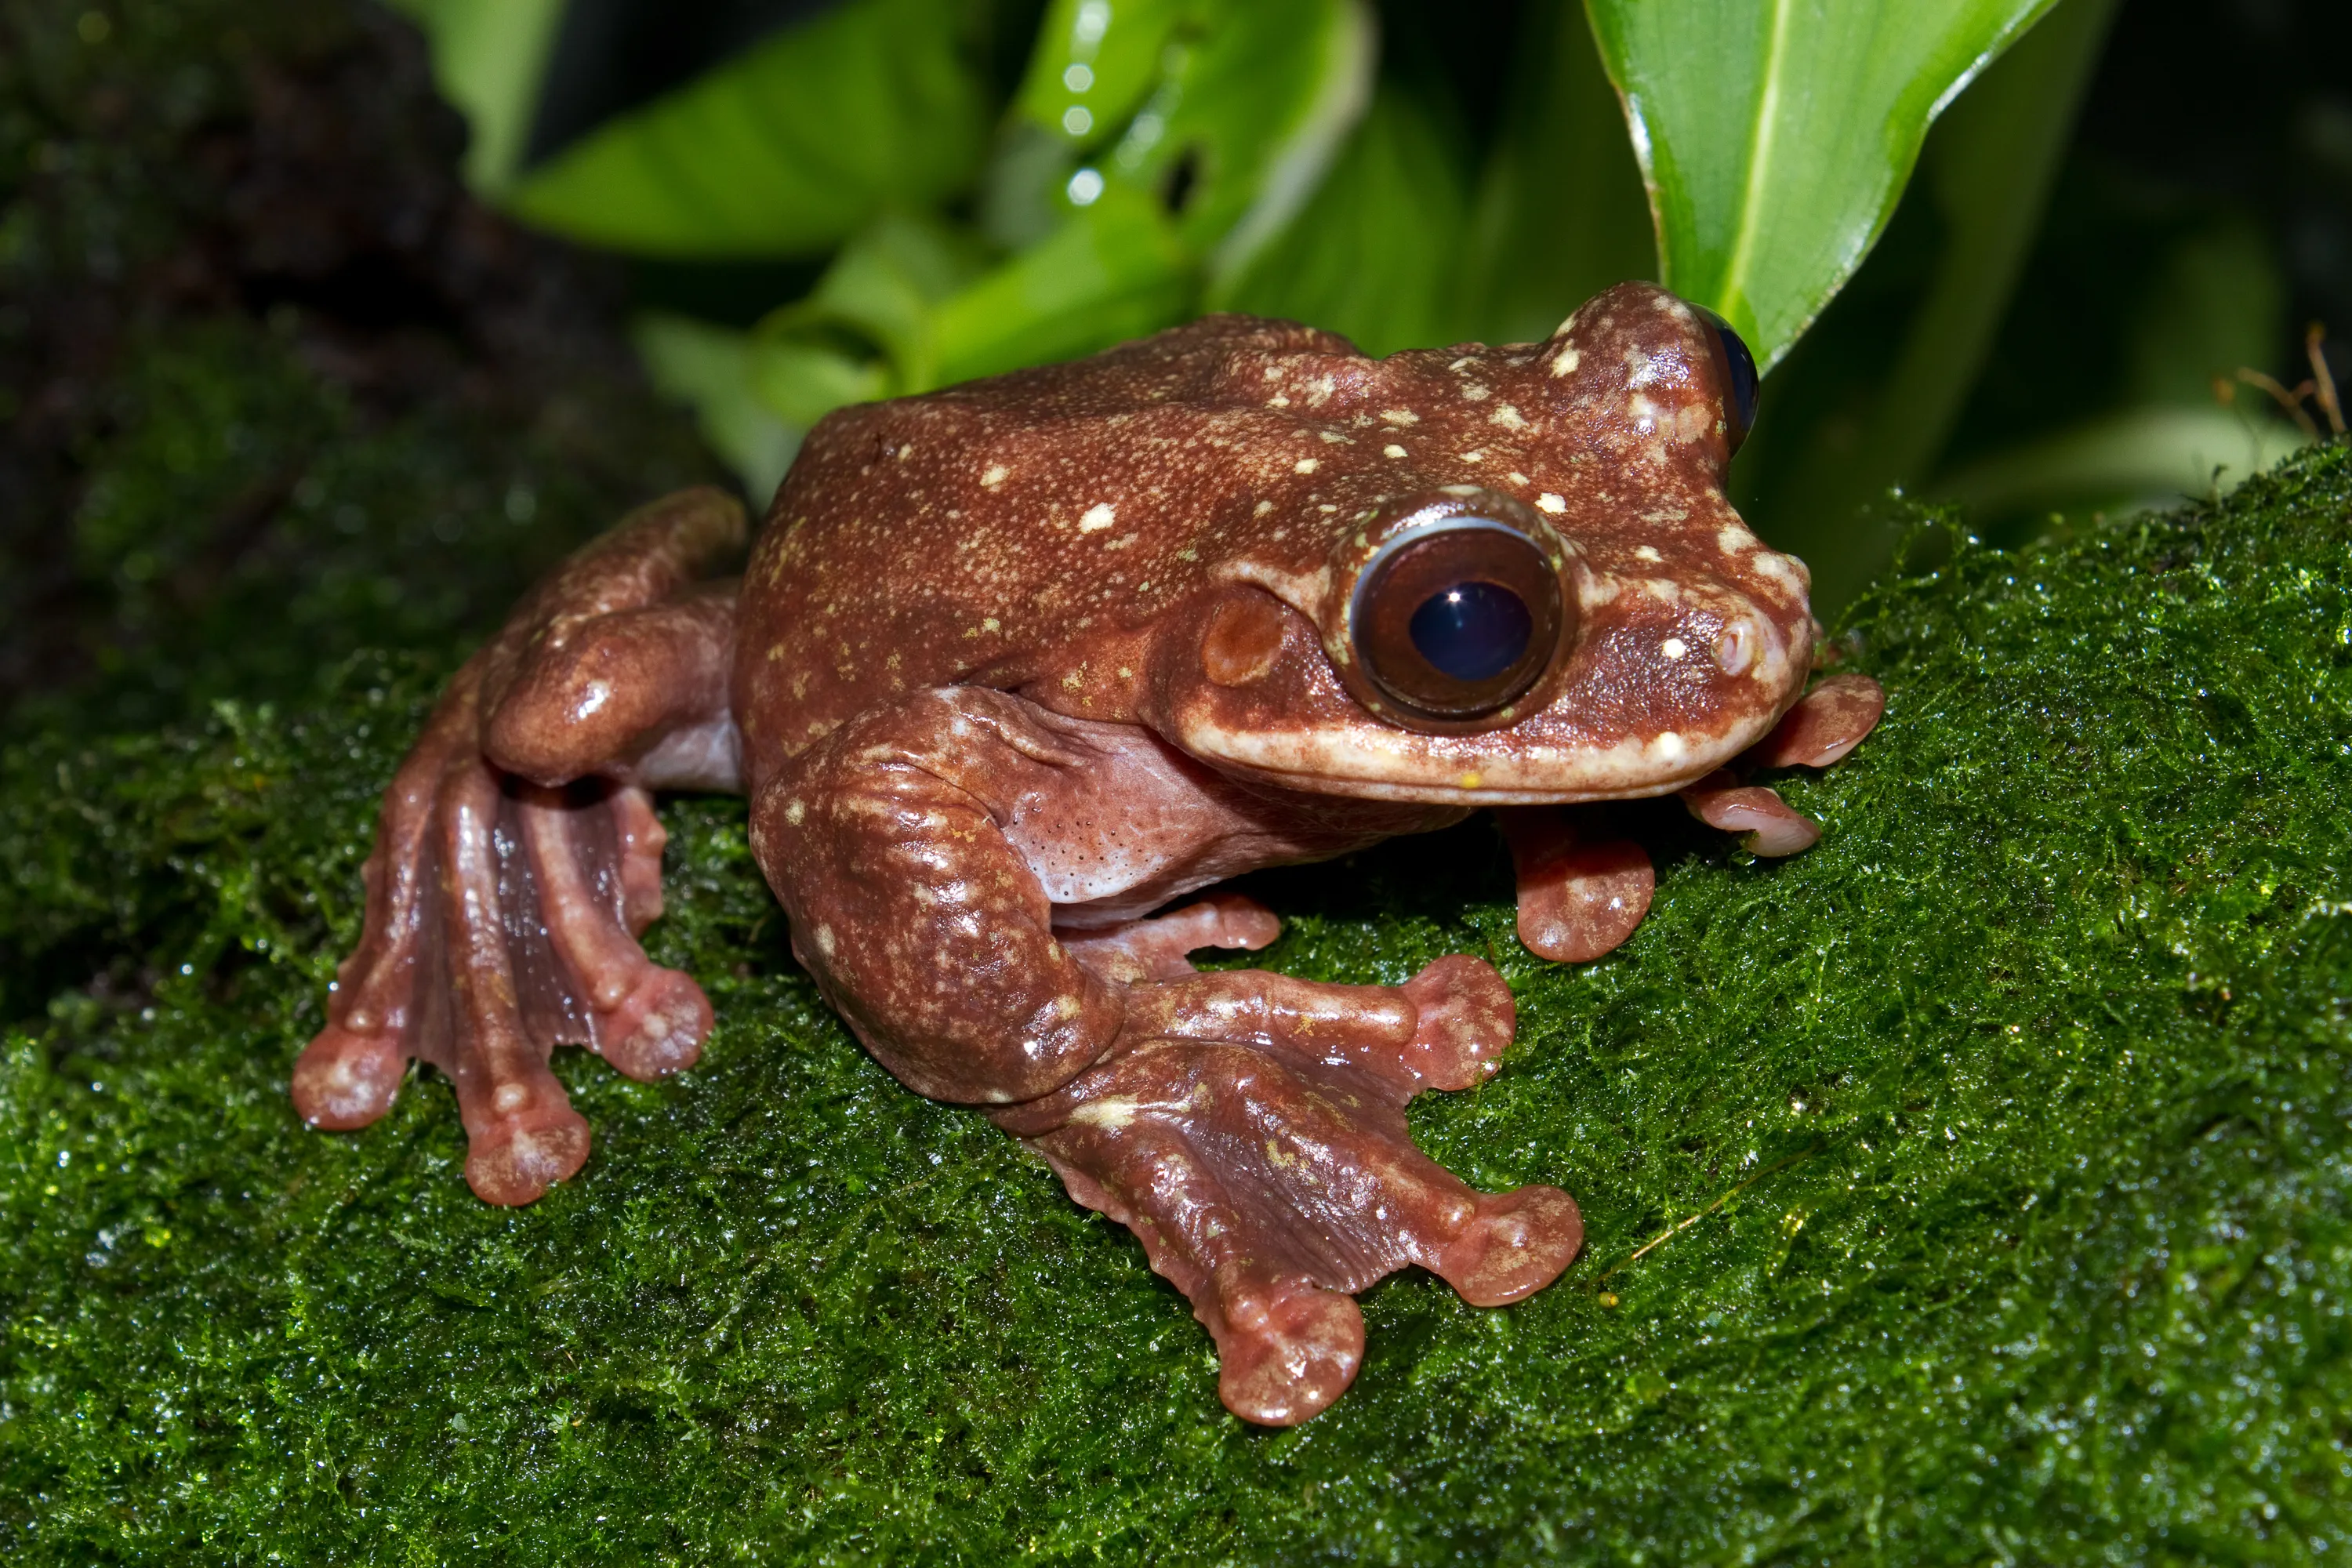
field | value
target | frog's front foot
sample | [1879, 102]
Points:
[1582, 891]
[1249, 1128]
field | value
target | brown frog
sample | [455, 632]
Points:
[1014, 667]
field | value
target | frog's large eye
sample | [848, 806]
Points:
[1740, 382]
[1458, 618]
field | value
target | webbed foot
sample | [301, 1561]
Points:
[1250, 1129]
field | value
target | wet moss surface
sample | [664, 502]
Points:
[1972, 1187]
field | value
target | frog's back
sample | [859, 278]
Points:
[973, 535]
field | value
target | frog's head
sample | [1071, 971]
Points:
[1538, 591]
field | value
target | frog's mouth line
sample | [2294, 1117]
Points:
[1343, 763]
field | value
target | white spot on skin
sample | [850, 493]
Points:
[1305, 466]
[1400, 416]
[825, 939]
[1674, 648]
[1098, 517]
[1648, 553]
[1567, 360]
[1392, 451]
[993, 477]
[1259, 511]
[1731, 539]
[1668, 745]
[1550, 503]
[1508, 417]
[1517, 477]
[795, 812]
[1277, 401]
[1476, 457]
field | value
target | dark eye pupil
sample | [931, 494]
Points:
[1471, 631]
[1739, 403]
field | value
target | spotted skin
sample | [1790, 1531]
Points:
[1014, 668]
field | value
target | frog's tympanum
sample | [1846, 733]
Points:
[1015, 667]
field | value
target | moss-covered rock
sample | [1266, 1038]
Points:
[1971, 1188]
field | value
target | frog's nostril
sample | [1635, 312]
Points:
[1471, 631]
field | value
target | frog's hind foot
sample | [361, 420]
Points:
[503, 922]
[1155, 947]
[503, 913]
[1252, 1136]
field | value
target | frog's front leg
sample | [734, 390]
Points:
[518, 857]
[1583, 890]
[1248, 1127]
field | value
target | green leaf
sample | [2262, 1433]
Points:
[907, 306]
[1227, 113]
[1986, 175]
[487, 59]
[709, 368]
[787, 148]
[1776, 137]
[1371, 254]
[1232, 110]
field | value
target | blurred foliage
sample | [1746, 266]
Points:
[1972, 1187]
[1407, 176]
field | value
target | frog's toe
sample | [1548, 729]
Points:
[1519, 1243]
[1826, 723]
[1464, 1023]
[346, 1079]
[1767, 825]
[515, 1158]
[658, 1027]
[1157, 947]
[1287, 1356]
[1580, 896]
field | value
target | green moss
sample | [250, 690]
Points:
[1971, 1188]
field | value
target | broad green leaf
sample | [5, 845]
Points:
[1372, 254]
[1986, 174]
[1115, 272]
[1232, 110]
[785, 149]
[1776, 135]
[1095, 63]
[867, 330]
[487, 59]
[907, 307]
[709, 368]
[1227, 113]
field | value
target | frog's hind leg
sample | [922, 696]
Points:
[518, 857]
[1263, 1159]
[1155, 947]
[1248, 1126]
